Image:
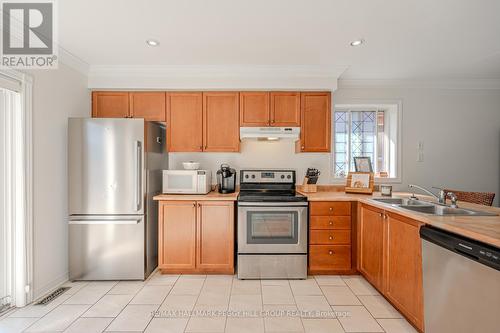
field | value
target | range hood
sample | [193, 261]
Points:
[270, 133]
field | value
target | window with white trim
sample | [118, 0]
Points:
[367, 130]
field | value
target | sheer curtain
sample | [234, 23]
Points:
[15, 190]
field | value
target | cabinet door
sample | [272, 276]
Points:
[285, 109]
[403, 267]
[371, 247]
[254, 109]
[184, 122]
[110, 104]
[148, 105]
[221, 126]
[215, 236]
[315, 131]
[177, 235]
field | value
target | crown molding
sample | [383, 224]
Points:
[466, 84]
[71, 60]
[215, 77]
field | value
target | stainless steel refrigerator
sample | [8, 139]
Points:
[115, 168]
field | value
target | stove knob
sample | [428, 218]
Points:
[253, 176]
[288, 176]
[246, 176]
[282, 176]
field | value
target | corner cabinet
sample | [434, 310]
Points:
[315, 124]
[390, 258]
[196, 237]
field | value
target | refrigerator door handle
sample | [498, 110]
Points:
[98, 221]
[138, 180]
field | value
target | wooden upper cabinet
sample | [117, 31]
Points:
[215, 235]
[403, 268]
[371, 245]
[148, 105]
[285, 109]
[110, 104]
[184, 122]
[254, 109]
[221, 126]
[177, 235]
[315, 131]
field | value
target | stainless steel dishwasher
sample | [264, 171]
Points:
[461, 283]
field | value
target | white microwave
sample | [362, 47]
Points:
[187, 181]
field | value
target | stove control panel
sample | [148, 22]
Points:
[267, 176]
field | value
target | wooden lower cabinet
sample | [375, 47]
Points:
[390, 258]
[403, 267]
[196, 237]
[330, 238]
[371, 251]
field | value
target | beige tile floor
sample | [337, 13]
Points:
[214, 303]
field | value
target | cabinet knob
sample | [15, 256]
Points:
[330, 238]
[330, 252]
[331, 209]
[330, 223]
[302, 147]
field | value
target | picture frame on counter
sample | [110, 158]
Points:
[360, 182]
[363, 164]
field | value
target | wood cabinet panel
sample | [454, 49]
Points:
[254, 109]
[221, 131]
[403, 267]
[177, 235]
[371, 249]
[330, 222]
[110, 104]
[329, 257]
[184, 122]
[315, 131]
[330, 237]
[148, 105]
[285, 109]
[215, 236]
[329, 208]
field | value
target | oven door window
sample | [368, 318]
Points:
[265, 227]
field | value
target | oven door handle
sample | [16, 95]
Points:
[272, 204]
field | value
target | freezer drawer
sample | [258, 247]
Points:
[106, 248]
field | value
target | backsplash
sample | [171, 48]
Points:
[260, 154]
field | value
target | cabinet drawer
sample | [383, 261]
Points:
[329, 257]
[330, 208]
[330, 222]
[330, 237]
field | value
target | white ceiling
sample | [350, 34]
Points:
[405, 39]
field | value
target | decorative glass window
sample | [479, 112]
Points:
[366, 131]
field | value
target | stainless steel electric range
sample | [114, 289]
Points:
[272, 226]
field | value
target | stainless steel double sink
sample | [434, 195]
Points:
[431, 208]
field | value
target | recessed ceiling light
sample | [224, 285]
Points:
[357, 42]
[152, 42]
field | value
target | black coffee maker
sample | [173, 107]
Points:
[226, 179]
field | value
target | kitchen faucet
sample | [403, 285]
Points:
[441, 197]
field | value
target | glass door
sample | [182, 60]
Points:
[265, 227]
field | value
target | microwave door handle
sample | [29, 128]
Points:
[138, 175]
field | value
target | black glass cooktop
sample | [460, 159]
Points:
[270, 196]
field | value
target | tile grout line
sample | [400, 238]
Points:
[296, 305]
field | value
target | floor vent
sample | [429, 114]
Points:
[52, 296]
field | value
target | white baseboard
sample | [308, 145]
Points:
[50, 287]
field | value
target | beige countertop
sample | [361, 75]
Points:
[210, 196]
[482, 228]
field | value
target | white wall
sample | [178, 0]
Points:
[258, 154]
[57, 95]
[460, 129]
